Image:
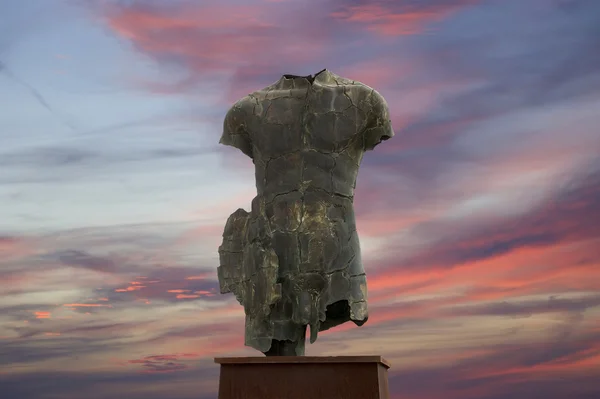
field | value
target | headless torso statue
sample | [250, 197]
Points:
[294, 260]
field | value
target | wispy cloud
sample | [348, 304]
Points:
[478, 220]
[389, 18]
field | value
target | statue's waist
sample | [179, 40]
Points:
[318, 190]
[303, 209]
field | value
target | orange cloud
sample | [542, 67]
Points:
[178, 291]
[184, 296]
[130, 288]
[42, 315]
[200, 276]
[204, 293]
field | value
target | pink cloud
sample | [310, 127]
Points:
[398, 20]
[380, 72]
[12, 248]
[212, 39]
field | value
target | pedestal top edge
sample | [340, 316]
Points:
[302, 359]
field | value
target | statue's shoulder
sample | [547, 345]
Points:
[243, 106]
[351, 84]
[342, 81]
[359, 91]
[267, 93]
[362, 94]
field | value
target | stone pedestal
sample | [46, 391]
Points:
[303, 377]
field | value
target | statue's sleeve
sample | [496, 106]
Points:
[379, 126]
[235, 132]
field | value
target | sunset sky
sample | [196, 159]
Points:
[479, 221]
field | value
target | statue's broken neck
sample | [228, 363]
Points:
[297, 81]
[310, 78]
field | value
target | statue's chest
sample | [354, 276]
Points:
[325, 119]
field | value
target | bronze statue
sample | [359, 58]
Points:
[294, 260]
